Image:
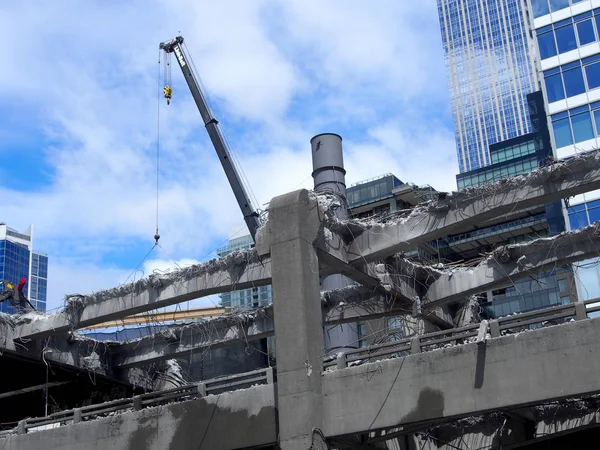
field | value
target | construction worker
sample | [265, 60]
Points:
[168, 93]
[21, 285]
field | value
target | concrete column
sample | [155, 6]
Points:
[292, 228]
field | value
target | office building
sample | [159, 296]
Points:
[501, 131]
[18, 260]
[489, 62]
[246, 298]
[567, 41]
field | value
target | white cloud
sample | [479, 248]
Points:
[278, 73]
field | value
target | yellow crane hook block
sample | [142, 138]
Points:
[168, 93]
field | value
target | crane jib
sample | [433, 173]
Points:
[179, 55]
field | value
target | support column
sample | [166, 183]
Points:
[291, 230]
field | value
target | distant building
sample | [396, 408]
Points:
[18, 260]
[567, 41]
[246, 298]
[490, 68]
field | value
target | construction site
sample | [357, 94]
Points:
[291, 374]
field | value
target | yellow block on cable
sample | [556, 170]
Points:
[168, 93]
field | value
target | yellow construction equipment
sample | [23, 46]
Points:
[165, 316]
[168, 93]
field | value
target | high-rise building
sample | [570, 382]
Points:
[245, 298]
[490, 69]
[18, 260]
[567, 41]
[501, 130]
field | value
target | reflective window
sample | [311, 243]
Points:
[562, 132]
[585, 32]
[554, 88]
[582, 127]
[578, 220]
[547, 45]
[540, 7]
[597, 120]
[574, 84]
[555, 5]
[592, 73]
[594, 215]
[565, 38]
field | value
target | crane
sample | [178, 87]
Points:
[251, 216]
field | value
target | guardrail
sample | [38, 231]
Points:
[187, 392]
[495, 328]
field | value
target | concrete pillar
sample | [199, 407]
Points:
[330, 177]
[292, 228]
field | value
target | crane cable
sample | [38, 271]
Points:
[156, 235]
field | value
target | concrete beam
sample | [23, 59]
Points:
[473, 206]
[513, 262]
[240, 270]
[241, 419]
[182, 341]
[504, 373]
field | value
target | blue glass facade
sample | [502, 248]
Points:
[245, 298]
[16, 259]
[571, 81]
[490, 72]
[568, 34]
[543, 7]
[588, 272]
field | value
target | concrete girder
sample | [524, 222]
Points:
[182, 341]
[474, 206]
[245, 418]
[513, 262]
[240, 270]
[503, 373]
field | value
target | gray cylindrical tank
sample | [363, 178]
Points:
[330, 176]
[328, 163]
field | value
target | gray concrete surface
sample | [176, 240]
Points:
[235, 420]
[507, 372]
[152, 294]
[298, 316]
[461, 210]
[189, 339]
[511, 263]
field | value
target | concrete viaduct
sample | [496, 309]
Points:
[367, 398]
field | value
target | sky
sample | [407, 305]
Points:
[81, 99]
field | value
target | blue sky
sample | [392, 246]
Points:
[78, 94]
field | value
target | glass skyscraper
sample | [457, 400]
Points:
[490, 71]
[567, 39]
[245, 298]
[17, 261]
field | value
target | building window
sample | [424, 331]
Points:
[565, 38]
[582, 127]
[592, 73]
[554, 88]
[573, 79]
[568, 34]
[540, 8]
[547, 45]
[556, 5]
[576, 125]
[585, 31]
[562, 132]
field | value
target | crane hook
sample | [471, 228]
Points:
[168, 93]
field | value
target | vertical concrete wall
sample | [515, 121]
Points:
[240, 419]
[294, 225]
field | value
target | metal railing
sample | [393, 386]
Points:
[457, 336]
[181, 393]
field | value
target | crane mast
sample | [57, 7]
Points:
[250, 214]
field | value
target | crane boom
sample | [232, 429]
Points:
[250, 214]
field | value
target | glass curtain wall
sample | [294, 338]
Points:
[490, 72]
